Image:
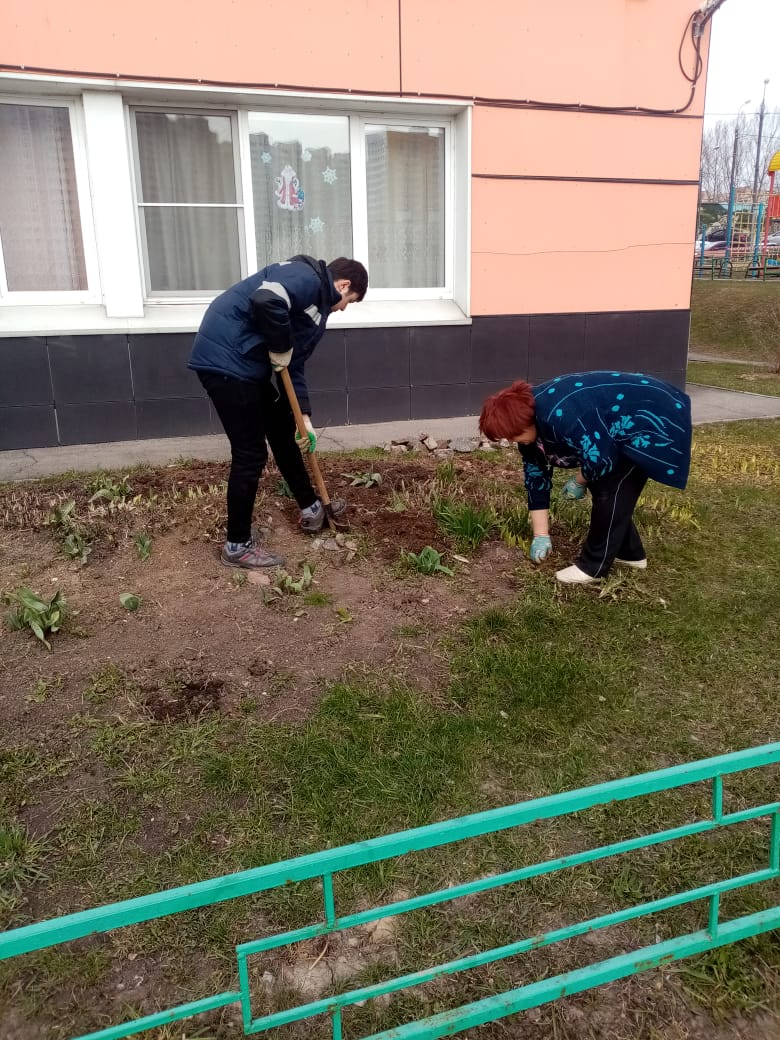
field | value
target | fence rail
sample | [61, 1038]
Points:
[327, 864]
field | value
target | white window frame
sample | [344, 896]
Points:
[101, 130]
[244, 192]
[195, 296]
[49, 297]
[360, 228]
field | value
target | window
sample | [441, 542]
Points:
[301, 185]
[327, 185]
[405, 189]
[188, 200]
[41, 241]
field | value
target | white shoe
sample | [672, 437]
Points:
[636, 565]
[574, 576]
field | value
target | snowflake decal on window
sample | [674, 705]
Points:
[306, 155]
[266, 157]
[329, 175]
[316, 225]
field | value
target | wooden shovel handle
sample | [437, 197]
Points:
[322, 491]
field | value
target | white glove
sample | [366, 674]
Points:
[280, 361]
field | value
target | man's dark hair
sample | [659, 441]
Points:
[352, 270]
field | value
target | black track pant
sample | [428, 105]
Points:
[612, 530]
[253, 413]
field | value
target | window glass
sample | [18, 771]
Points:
[301, 184]
[40, 227]
[188, 201]
[405, 186]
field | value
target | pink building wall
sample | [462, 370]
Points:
[539, 243]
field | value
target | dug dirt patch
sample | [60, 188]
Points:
[205, 639]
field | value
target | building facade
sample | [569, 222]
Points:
[521, 182]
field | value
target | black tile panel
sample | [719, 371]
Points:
[388, 404]
[637, 340]
[24, 371]
[328, 408]
[440, 354]
[89, 369]
[499, 348]
[608, 341]
[326, 369]
[377, 358]
[440, 402]
[97, 423]
[556, 345]
[479, 391]
[660, 339]
[27, 426]
[173, 417]
[159, 366]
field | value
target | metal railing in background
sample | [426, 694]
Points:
[327, 864]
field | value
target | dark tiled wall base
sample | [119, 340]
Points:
[88, 389]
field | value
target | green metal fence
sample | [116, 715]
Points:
[325, 865]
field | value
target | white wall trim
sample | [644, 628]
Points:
[81, 319]
[110, 164]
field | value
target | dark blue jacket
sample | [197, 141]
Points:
[285, 305]
[591, 419]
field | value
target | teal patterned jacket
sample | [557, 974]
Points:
[591, 419]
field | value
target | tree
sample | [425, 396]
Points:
[718, 148]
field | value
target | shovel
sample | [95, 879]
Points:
[322, 491]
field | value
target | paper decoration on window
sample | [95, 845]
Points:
[266, 157]
[329, 175]
[289, 193]
[306, 155]
[316, 225]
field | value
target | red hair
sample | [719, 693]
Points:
[509, 412]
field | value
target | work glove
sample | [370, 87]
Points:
[280, 361]
[309, 442]
[541, 547]
[574, 490]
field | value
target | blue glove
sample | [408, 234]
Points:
[541, 547]
[573, 489]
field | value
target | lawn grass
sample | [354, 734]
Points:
[750, 378]
[560, 688]
[736, 319]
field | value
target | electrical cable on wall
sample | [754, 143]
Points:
[694, 28]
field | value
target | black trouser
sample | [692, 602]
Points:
[612, 530]
[253, 413]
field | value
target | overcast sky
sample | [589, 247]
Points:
[745, 50]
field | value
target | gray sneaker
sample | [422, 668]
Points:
[313, 522]
[250, 556]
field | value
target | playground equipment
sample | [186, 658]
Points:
[746, 244]
[772, 207]
[325, 865]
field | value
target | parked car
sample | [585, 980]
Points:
[717, 247]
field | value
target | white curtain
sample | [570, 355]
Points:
[405, 184]
[187, 170]
[301, 185]
[40, 227]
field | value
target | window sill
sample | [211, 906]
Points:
[186, 317]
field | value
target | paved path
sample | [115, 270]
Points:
[708, 403]
[695, 355]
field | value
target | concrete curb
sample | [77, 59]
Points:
[710, 405]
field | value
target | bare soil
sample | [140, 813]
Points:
[224, 636]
